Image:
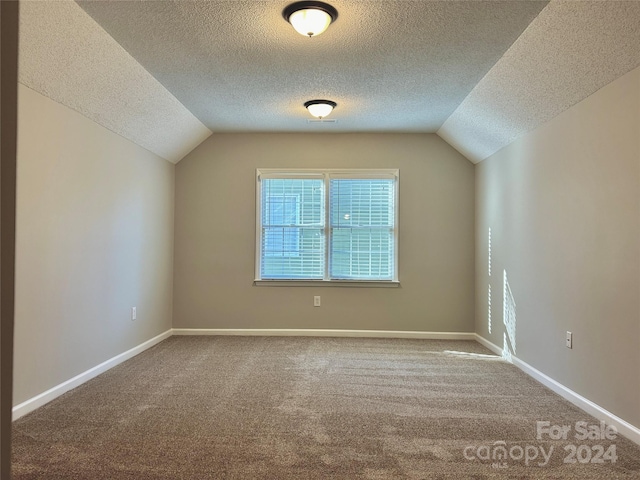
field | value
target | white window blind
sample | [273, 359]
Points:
[333, 225]
[362, 228]
[282, 238]
[292, 234]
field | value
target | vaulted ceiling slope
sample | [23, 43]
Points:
[571, 50]
[479, 73]
[67, 57]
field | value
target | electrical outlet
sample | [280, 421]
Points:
[316, 301]
[134, 313]
[569, 340]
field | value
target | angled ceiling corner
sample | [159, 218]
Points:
[568, 52]
[65, 55]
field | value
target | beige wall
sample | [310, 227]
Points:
[215, 235]
[563, 204]
[94, 238]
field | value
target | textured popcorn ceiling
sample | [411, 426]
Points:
[480, 73]
[390, 65]
[66, 56]
[572, 49]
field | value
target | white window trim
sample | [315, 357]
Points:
[326, 175]
[327, 283]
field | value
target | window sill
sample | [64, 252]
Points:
[327, 283]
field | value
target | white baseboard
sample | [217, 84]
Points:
[45, 397]
[624, 428]
[303, 332]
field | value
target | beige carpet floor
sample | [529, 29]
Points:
[310, 409]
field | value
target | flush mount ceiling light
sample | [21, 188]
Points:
[320, 108]
[310, 18]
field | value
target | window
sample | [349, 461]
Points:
[282, 220]
[334, 225]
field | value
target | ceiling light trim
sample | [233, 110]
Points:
[305, 28]
[320, 108]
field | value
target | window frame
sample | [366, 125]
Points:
[327, 174]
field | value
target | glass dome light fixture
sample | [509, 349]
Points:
[310, 18]
[320, 108]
